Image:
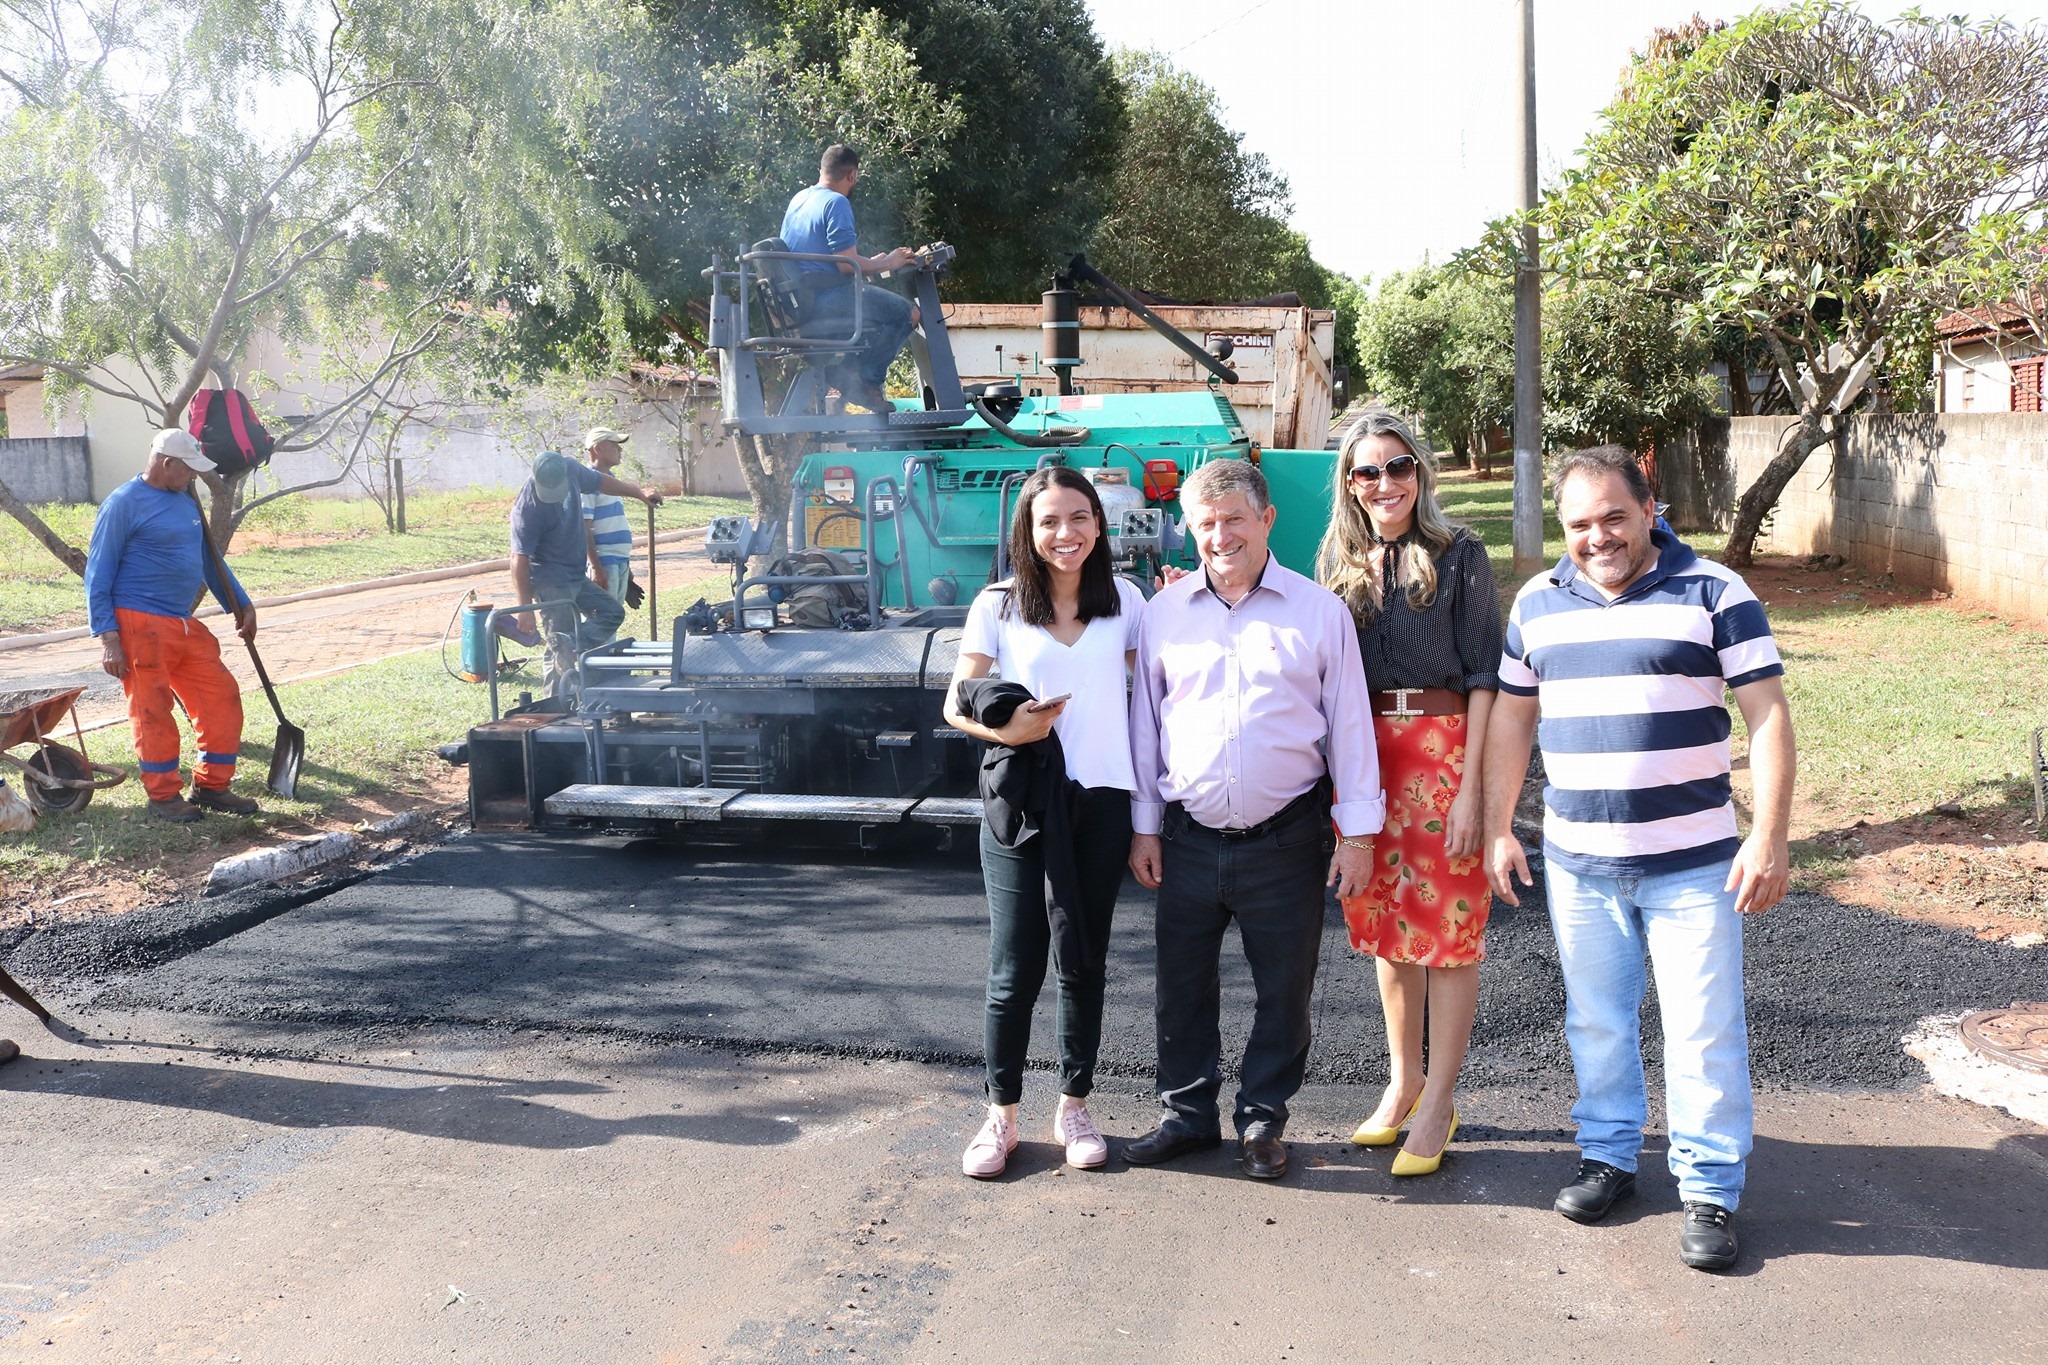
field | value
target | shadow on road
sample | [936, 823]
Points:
[503, 1113]
[1960, 1204]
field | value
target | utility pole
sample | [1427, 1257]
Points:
[1528, 522]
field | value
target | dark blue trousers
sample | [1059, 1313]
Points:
[1273, 886]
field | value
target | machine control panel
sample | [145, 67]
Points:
[727, 539]
[1140, 531]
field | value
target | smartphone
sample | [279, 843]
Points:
[1049, 702]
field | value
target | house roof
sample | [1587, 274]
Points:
[2010, 318]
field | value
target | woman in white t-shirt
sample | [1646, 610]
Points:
[1064, 627]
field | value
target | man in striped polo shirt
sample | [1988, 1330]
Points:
[605, 528]
[1622, 651]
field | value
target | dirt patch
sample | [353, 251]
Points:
[1825, 581]
[1984, 871]
[89, 890]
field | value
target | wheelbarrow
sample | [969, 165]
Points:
[57, 779]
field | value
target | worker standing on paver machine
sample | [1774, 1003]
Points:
[609, 539]
[550, 552]
[142, 581]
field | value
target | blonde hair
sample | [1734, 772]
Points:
[1343, 562]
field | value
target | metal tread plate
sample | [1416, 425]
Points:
[641, 803]
[798, 658]
[948, 810]
[881, 810]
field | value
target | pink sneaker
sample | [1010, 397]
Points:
[989, 1153]
[1074, 1128]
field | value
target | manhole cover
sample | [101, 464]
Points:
[2017, 1036]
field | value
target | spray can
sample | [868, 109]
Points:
[476, 642]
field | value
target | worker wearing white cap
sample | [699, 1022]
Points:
[142, 579]
[608, 535]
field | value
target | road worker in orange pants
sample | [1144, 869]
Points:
[142, 580]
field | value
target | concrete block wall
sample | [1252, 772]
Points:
[47, 468]
[1956, 501]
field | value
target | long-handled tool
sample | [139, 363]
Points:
[653, 615]
[18, 993]
[288, 749]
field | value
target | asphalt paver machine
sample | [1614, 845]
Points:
[814, 694]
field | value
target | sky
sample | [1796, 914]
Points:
[1409, 107]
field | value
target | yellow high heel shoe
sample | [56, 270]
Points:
[1407, 1163]
[1381, 1137]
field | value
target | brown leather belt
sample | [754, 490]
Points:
[1418, 701]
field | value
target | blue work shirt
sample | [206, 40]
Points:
[550, 534]
[819, 220]
[149, 554]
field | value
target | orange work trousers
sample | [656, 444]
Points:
[176, 656]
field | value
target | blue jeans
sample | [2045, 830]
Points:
[1694, 937]
[884, 327]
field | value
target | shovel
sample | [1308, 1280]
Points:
[288, 750]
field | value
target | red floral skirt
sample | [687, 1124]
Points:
[1422, 905]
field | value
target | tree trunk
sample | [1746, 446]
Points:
[768, 464]
[68, 555]
[1761, 497]
[1739, 402]
[220, 508]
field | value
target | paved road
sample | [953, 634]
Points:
[469, 1074]
[306, 639]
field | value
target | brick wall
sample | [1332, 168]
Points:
[1956, 501]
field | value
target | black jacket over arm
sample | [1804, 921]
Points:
[1025, 791]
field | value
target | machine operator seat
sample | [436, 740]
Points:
[786, 294]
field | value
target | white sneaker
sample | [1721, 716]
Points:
[1074, 1128]
[989, 1153]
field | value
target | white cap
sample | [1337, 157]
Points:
[180, 445]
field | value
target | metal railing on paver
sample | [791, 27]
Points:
[725, 803]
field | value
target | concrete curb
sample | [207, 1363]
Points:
[54, 637]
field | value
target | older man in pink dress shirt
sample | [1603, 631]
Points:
[1250, 731]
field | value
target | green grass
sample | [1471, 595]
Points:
[300, 543]
[1898, 708]
[370, 736]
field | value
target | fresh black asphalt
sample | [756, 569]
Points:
[840, 954]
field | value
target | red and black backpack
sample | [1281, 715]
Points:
[227, 430]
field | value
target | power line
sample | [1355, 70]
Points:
[1219, 28]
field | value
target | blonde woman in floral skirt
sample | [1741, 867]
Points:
[1429, 627]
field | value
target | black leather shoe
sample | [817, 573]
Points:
[1707, 1239]
[1164, 1143]
[1262, 1158]
[1598, 1188]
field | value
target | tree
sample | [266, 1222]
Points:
[1817, 181]
[1192, 214]
[176, 175]
[1440, 342]
[1023, 183]
[1618, 367]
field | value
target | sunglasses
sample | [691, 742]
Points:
[1400, 468]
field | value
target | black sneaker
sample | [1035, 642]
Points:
[1597, 1188]
[1707, 1240]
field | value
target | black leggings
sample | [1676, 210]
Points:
[1020, 941]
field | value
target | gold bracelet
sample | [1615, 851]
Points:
[1354, 841]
